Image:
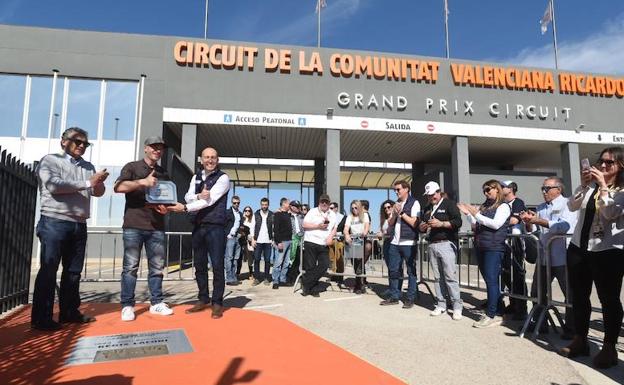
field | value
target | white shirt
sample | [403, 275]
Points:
[263, 233]
[500, 217]
[316, 217]
[397, 227]
[355, 225]
[560, 221]
[220, 188]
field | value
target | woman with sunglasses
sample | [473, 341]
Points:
[596, 253]
[490, 222]
[355, 230]
[248, 251]
[385, 233]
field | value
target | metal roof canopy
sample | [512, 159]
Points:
[370, 146]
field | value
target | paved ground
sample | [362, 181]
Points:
[409, 344]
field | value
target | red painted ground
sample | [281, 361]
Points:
[244, 347]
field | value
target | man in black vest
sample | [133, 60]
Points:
[207, 198]
[441, 221]
[403, 225]
[263, 242]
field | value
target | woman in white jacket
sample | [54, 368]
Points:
[596, 253]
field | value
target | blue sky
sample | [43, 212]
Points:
[590, 33]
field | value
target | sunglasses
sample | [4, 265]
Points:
[236, 203]
[487, 190]
[387, 207]
[546, 189]
[608, 162]
[79, 142]
[247, 211]
[333, 207]
[397, 190]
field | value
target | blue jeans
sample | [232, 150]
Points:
[263, 250]
[396, 256]
[490, 267]
[232, 253]
[209, 240]
[154, 242]
[281, 263]
[61, 242]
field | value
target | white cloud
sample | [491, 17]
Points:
[303, 30]
[601, 52]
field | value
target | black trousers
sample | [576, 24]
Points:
[605, 269]
[315, 263]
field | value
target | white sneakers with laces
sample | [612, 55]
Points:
[457, 314]
[127, 313]
[437, 311]
[486, 322]
[161, 309]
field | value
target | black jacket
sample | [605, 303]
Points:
[446, 212]
[230, 219]
[269, 222]
[282, 227]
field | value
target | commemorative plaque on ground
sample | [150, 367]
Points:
[128, 346]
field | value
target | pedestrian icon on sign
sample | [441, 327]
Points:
[227, 118]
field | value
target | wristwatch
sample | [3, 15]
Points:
[185, 209]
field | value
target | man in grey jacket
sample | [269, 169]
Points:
[66, 184]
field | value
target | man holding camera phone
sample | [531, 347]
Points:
[320, 227]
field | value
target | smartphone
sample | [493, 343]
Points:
[585, 165]
[326, 221]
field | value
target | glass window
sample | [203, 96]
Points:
[120, 110]
[83, 105]
[110, 207]
[39, 107]
[57, 116]
[12, 90]
[278, 191]
[250, 196]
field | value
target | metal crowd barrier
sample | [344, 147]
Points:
[104, 257]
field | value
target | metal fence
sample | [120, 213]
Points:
[18, 199]
[104, 257]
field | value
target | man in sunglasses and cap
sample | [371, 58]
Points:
[320, 227]
[143, 226]
[66, 184]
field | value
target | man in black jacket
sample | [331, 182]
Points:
[441, 221]
[282, 237]
[263, 238]
[233, 220]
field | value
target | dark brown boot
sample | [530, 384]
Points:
[199, 306]
[578, 347]
[217, 311]
[607, 357]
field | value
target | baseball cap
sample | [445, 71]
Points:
[506, 183]
[324, 198]
[154, 140]
[431, 188]
[295, 203]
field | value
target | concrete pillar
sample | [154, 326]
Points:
[570, 166]
[460, 165]
[319, 180]
[332, 165]
[188, 148]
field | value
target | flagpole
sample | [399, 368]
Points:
[206, 22]
[318, 37]
[554, 29]
[446, 33]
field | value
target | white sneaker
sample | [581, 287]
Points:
[437, 311]
[486, 322]
[457, 314]
[127, 313]
[161, 309]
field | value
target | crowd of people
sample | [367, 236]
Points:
[224, 238]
